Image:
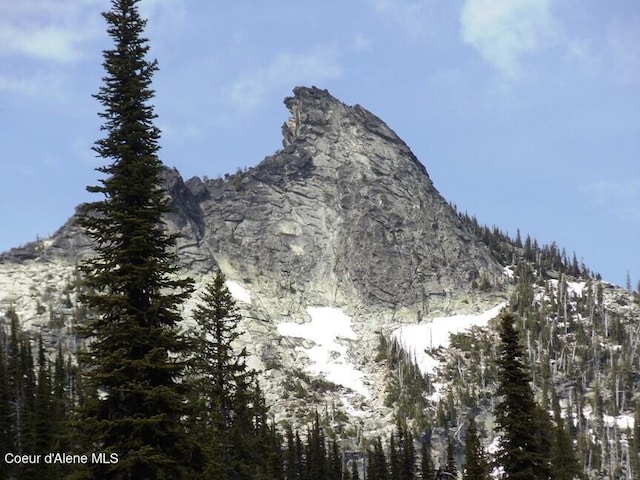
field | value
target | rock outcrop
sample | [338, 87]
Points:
[343, 210]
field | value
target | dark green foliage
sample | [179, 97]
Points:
[524, 449]
[407, 385]
[510, 251]
[377, 468]
[229, 418]
[402, 453]
[564, 465]
[450, 466]
[32, 409]
[476, 465]
[355, 475]
[427, 469]
[133, 398]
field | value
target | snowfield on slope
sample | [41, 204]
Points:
[328, 357]
[238, 292]
[434, 333]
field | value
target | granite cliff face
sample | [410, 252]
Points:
[344, 216]
[344, 210]
[345, 207]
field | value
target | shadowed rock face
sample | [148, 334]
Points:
[344, 210]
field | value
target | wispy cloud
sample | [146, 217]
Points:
[503, 31]
[620, 198]
[286, 69]
[43, 42]
[609, 191]
[46, 29]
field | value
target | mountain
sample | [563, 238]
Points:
[344, 199]
[339, 244]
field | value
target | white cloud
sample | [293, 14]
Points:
[504, 30]
[286, 70]
[44, 42]
[47, 29]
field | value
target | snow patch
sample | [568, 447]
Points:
[430, 334]
[576, 288]
[328, 357]
[238, 292]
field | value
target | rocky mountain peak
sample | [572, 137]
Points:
[315, 113]
[344, 212]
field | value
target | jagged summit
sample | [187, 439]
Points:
[315, 113]
[356, 210]
[343, 211]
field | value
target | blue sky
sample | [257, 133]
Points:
[526, 113]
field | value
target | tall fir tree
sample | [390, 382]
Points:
[377, 468]
[450, 467]
[5, 407]
[476, 465]
[427, 469]
[133, 399]
[228, 415]
[522, 453]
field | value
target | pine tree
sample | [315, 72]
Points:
[316, 452]
[634, 448]
[354, 471]
[476, 465]
[426, 462]
[521, 452]
[133, 398]
[450, 466]
[5, 406]
[405, 453]
[377, 463]
[229, 418]
[291, 455]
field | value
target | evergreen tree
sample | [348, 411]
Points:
[5, 406]
[228, 412]
[134, 400]
[450, 466]
[634, 448]
[518, 419]
[426, 463]
[564, 463]
[377, 463]
[316, 454]
[476, 465]
[395, 465]
[406, 455]
[354, 471]
[335, 460]
[291, 456]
